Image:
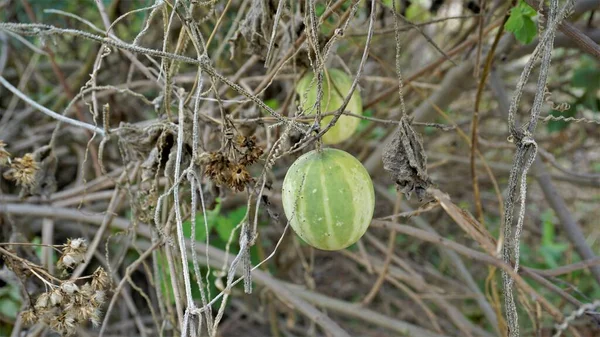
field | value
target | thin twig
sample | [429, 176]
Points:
[49, 112]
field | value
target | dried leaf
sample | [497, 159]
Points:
[45, 176]
[138, 141]
[258, 25]
[405, 160]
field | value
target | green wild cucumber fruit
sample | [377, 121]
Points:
[329, 199]
[336, 85]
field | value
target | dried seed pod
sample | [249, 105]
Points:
[405, 160]
[69, 287]
[42, 301]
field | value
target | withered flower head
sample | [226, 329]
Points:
[77, 244]
[239, 178]
[249, 148]
[73, 253]
[4, 155]
[98, 298]
[29, 317]
[87, 290]
[83, 312]
[217, 167]
[100, 279]
[22, 170]
[95, 318]
[63, 324]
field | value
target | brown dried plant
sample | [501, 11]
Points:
[22, 170]
[230, 167]
[67, 303]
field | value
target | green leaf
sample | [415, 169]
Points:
[211, 217]
[520, 22]
[9, 308]
[526, 9]
[547, 228]
[389, 4]
[591, 101]
[527, 33]
[514, 22]
[550, 250]
[10, 299]
[587, 77]
[272, 103]
[363, 124]
[320, 9]
[226, 224]
[416, 12]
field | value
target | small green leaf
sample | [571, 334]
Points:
[526, 9]
[520, 22]
[514, 22]
[527, 33]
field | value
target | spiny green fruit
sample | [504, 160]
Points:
[336, 85]
[329, 199]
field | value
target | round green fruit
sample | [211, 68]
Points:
[329, 199]
[336, 85]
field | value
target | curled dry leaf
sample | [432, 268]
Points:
[258, 25]
[405, 160]
[139, 141]
[46, 175]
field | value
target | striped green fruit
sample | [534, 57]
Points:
[336, 86]
[329, 199]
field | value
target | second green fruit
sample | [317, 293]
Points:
[336, 85]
